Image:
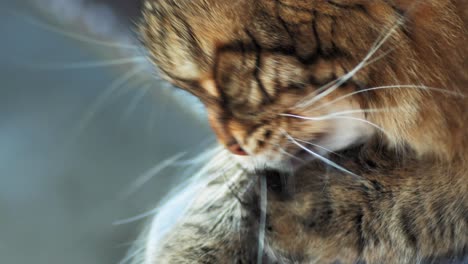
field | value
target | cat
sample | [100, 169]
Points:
[344, 124]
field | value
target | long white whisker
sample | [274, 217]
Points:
[420, 87]
[317, 146]
[358, 111]
[148, 175]
[136, 99]
[346, 112]
[282, 150]
[88, 64]
[200, 158]
[89, 115]
[262, 224]
[290, 155]
[321, 118]
[136, 218]
[74, 36]
[156, 116]
[365, 62]
[381, 56]
[320, 157]
[133, 255]
[196, 180]
[362, 120]
[132, 84]
[340, 81]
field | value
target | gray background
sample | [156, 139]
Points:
[61, 187]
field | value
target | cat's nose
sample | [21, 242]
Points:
[235, 148]
[224, 135]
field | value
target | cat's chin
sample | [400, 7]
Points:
[284, 163]
[293, 161]
[255, 163]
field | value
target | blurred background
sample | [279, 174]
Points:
[84, 125]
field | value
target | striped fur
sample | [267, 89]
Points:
[403, 195]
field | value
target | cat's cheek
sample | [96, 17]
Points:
[347, 132]
[341, 124]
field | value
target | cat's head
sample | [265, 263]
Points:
[288, 80]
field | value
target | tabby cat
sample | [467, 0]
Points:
[345, 125]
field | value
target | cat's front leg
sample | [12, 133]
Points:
[214, 229]
[197, 243]
[411, 212]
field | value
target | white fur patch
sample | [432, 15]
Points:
[348, 130]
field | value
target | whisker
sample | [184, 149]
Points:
[320, 157]
[88, 64]
[136, 218]
[218, 157]
[200, 158]
[290, 155]
[135, 101]
[154, 118]
[131, 85]
[157, 116]
[369, 110]
[365, 62]
[355, 111]
[136, 252]
[197, 182]
[262, 224]
[318, 146]
[71, 35]
[383, 55]
[364, 121]
[89, 115]
[321, 118]
[343, 79]
[151, 173]
[282, 150]
[421, 87]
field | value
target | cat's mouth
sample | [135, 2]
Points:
[292, 158]
[300, 153]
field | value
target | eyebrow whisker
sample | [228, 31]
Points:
[75, 36]
[87, 64]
